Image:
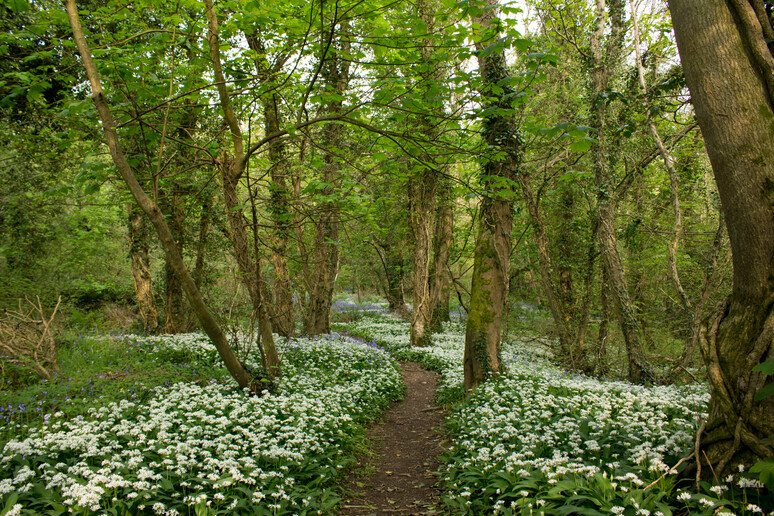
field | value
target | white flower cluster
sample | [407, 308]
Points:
[388, 330]
[538, 419]
[212, 444]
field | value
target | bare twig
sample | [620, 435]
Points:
[669, 471]
[26, 337]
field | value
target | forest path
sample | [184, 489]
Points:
[400, 477]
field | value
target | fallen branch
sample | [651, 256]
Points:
[669, 471]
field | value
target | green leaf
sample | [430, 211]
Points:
[767, 391]
[16, 6]
[765, 368]
[522, 44]
[10, 502]
[765, 471]
[581, 145]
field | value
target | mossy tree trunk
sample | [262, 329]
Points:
[729, 69]
[489, 289]
[139, 253]
[174, 307]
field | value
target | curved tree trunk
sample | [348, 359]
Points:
[729, 71]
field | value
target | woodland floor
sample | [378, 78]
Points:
[399, 476]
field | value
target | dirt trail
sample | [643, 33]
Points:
[401, 475]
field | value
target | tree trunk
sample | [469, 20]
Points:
[729, 68]
[139, 252]
[423, 185]
[201, 252]
[173, 290]
[393, 265]
[422, 201]
[279, 206]
[489, 289]
[558, 309]
[279, 200]
[606, 56]
[335, 74]
[231, 170]
[208, 322]
[604, 323]
[439, 276]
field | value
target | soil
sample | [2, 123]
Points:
[400, 475]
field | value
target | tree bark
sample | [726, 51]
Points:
[422, 202]
[439, 275]
[279, 194]
[174, 307]
[139, 253]
[489, 290]
[208, 322]
[423, 186]
[335, 74]
[729, 69]
[606, 57]
[231, 171]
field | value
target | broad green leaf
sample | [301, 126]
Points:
[765, 368]
[767, 391]
[581, 145]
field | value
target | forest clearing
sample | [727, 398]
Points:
[387, 257]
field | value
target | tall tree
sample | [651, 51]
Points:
[605, 57]
[334, 71]
[423, 184]
[489, 289]
[725, 48]
[231, 171]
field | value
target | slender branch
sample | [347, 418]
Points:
[151, 209]
[225, 99]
